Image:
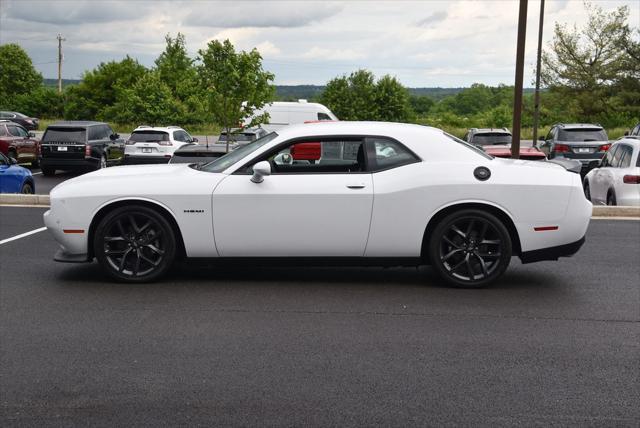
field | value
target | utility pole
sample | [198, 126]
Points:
[536, 108]
[517, 96]
[60, 40]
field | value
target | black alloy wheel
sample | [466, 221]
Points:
[470, 248]
[27, 189]
[134, 244]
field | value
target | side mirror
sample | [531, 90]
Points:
[195, 140]
[260, 170]
[32, 135]
[13, 161]
[114, 137]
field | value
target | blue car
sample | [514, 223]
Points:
[14, 178]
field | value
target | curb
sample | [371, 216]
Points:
[43, 200]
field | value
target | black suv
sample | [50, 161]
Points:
[79, 145]
[581, 141]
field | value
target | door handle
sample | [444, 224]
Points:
[356, 186]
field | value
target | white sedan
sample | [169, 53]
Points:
[616, 179]
[362, 193]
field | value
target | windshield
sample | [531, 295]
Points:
[491, 138]
[149, 136]
[231, 158]
[578, 135]
[237, 137]
[64, 135]
[470, 146]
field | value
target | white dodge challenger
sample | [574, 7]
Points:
[361, 193]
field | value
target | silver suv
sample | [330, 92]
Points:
[155, 144]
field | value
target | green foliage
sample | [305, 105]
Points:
[594, 70]
[233, 83]
[41, 102]
[359, 97]
[17, 75]
[94, 97]
[421, 104]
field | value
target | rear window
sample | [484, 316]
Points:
[582, 135]
[491, 138]
[65, 135]
[149, 136]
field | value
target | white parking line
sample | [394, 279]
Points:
[23, 235]
[36, 173]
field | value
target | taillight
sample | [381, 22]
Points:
[165, 143]
[130, 142]
[605, 147]
[561, 148]
[631, 179]
[87, 151]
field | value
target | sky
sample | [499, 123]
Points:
[425, 43]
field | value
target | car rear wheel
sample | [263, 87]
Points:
[470, 248]
[134, 244]
[27, 189]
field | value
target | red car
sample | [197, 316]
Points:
[497, 142]
[18, 143]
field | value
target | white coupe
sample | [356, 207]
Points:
[362, 193]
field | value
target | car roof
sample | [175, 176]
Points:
[632, 140]
[580, 126]
[158, 128]
[75, 123]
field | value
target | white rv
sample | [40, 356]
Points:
[288, 113]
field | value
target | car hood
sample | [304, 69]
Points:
[139, 180]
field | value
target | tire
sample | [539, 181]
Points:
[48, 172]
[12, 154]
[587, 190]
[27, 189]
[35, 164]
[470, 248]
[134, 244]
[611, 199]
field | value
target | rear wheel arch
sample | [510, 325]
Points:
[491, 209]
[102, 212]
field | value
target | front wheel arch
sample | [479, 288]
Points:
[500, 214]
[102, 212]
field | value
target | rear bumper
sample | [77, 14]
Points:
[69, 163]
[136, 160]
[552, 253]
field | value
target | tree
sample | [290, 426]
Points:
[392, 101]
[590, 67]
[421, 104]
[96, 95]
[17, 74]
[234, 83]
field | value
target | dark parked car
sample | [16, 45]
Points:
[79, 145]
[30, 123]
[497, 142]
[14, 178]
[199, 153]
[581, 141]
[243, 136]
[635, 132]
[18, 143]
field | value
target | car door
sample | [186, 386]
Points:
[624, 155]
[115, 145]
[25, 147]
[602, 177]
[316, 202]
[10, 178]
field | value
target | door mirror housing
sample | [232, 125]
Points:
[195, 140]
[13, 161]
[260, 170]
[114, 137]
[32, 135]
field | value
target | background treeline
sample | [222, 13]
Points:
[589, 75]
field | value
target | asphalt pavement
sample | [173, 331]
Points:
[553, 343]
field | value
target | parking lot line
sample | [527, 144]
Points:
[36, 173]
[23, 235]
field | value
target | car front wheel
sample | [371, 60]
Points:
[470, 248]
[134, 244]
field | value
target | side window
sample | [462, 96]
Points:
[92, 133]
[3, 131]
[388, 154]
[180, 136]
[317, 156]
[608, 158]
[615, 161]
[13, 130]
[549, 135]
[625, 156]
[3, 160]
[323, 116]
[105, 132]
[22, 132]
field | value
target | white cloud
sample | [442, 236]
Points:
[332, 54]
[267, 48]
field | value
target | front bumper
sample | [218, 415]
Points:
[73, 246]
[552, 253]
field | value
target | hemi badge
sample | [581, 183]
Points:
[73, 230]
[545, 228]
